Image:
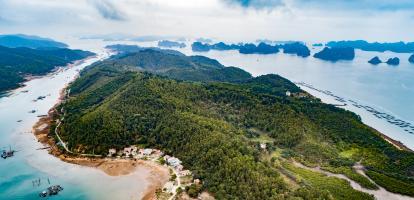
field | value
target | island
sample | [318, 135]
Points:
[171, 44]
[261, 48]
[411, 59]
[297, 48]
[241, 137]
[336, 53]
[21, 63]
[393, 61]
[397, 47]
[375, 61]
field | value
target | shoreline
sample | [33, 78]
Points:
[329, 100]
[114, 167]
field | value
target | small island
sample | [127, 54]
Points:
[170, 44]
[397, 47]
[375, 61]
[336, 54]
[411, 59]
[393, 61]
[297, 48]
[262, 48]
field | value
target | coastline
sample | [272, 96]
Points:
[158, 175]
[330, 100]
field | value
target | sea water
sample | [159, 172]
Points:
[387, 89]
[20, 174]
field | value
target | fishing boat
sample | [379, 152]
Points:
[51, 191]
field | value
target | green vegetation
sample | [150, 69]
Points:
[215, 126]
[336, 188]
[392, 184]
[15, 63]
[351, 174]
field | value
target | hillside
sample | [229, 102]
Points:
[20, 40]
[16, 63]
[216, 129]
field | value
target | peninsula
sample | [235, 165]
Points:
[228, 126]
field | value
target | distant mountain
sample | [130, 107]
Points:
[170, 44]
[336, 54]
[175, 65]
[393, 61]
[411, 59]
[126, 49]
[15, 63]
[262, 48]
[296, 48]
[397, 47]
[221, 46]
[28, 41]
[375, 61]
[317, 45]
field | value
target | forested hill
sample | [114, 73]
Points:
[216, 129]
[15, 63]
[29, 41]
[175, 65]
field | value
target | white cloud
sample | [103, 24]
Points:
[292, 20]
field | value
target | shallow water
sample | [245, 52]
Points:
[18, 173]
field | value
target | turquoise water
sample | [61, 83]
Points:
[17, 173]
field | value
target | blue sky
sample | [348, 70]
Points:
[231, 20]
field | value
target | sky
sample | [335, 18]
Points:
[227, 20]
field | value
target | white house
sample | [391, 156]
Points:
[185, 173]
[111, 152]
[288, 93]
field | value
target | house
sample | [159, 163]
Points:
[173, 161]
[263, 146]
[197, 181]
[130, 151]
[147, 152]
[169, 186]
[288, 93]
[185, 173]
[111, 152]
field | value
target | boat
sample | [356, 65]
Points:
[51, 191]
[7, 154]
[32, 111]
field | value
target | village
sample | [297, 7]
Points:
[181, 180]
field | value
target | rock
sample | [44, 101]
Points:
[411, 59]
[336, 54]
[375, 60]
[296, 48]
[393, 61]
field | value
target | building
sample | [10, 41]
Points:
[288, 93]
[263, 146]
[130, 151]
[169, 186]
[185, 173]
[111, 152]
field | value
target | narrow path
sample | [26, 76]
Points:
[380, 194]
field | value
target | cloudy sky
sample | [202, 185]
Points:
[230, 20]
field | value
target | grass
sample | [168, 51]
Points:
[353, 175]
[338, 188]
[391, 184]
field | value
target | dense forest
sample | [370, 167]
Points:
[16, 63]
[214, 119]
